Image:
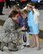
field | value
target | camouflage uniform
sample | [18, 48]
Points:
[9, 35]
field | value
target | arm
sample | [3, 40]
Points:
[25, 8]
[6, 25]
[36, 11]
[22, 28]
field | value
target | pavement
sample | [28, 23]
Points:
[25, 50]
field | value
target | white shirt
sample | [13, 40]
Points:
[36, 15]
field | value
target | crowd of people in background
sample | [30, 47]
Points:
[22, 21]
[10, 3]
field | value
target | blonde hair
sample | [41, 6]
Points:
[24, 12]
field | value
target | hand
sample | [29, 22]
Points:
[23, 28]
[33, 7]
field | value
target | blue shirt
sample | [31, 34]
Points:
[30, 18]
[23, 22]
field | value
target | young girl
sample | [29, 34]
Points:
[33, 24]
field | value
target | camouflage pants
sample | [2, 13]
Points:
[13, 40]
[10, 40]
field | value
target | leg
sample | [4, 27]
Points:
[24, 39]
[9, 3]
[21, 40]
[2, 46]
[6, 3]
[33, 41]
[1, 8]
[37, 41]
[28, 40]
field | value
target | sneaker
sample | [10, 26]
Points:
[22, 47]
[24, 44]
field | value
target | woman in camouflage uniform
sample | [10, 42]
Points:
[10, 34]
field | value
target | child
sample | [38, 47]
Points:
[23, 22]
[33, 23]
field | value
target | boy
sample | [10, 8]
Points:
[23, 22]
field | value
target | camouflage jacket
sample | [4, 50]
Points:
[9, 31]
